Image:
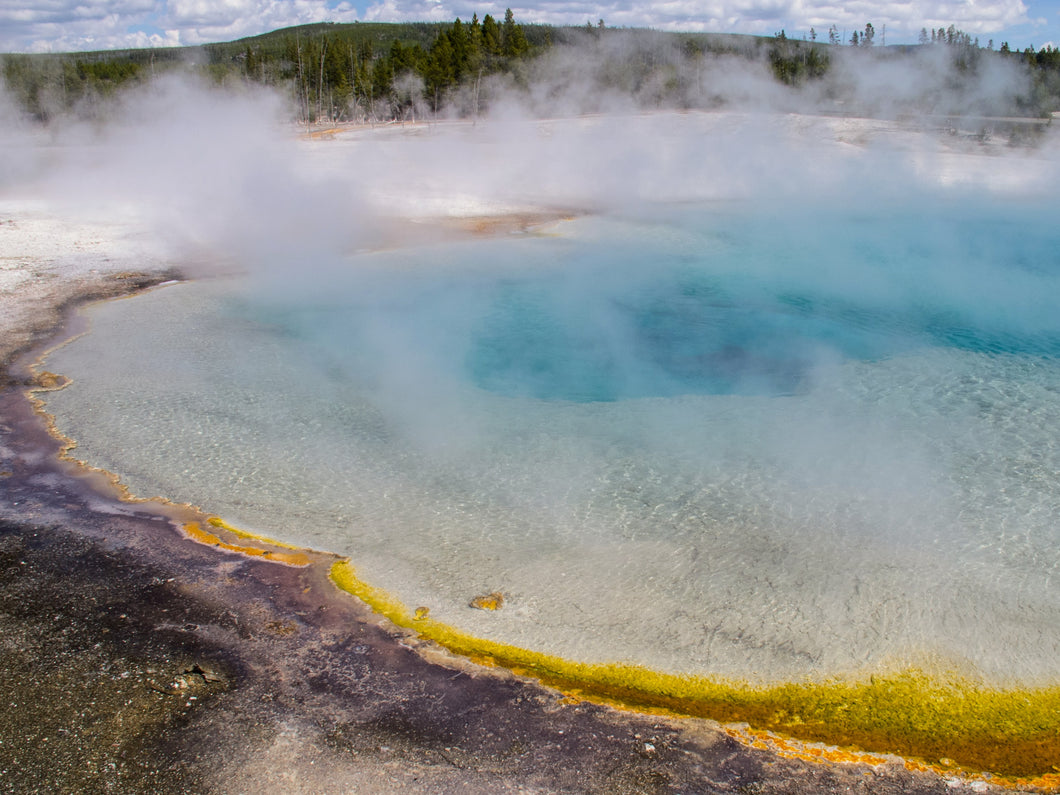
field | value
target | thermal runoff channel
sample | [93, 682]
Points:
[751, 442]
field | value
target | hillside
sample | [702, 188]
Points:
[387, 71]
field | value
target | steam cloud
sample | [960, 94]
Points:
[220, 172]
[223, 180]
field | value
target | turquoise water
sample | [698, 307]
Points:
[730, 301]
[759, 441]
[758, 315]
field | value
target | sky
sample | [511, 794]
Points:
[74, 25]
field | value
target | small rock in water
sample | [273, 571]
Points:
[51, 381]
[489, 601]
[422, 613]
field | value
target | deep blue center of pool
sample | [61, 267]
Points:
[706, 301]
[688, 335]
[683, 335]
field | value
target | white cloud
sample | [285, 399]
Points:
[419, 10]
[796, 16]
[15, 12]
[191, 13]
[58, 25]
[206, 20]
[429, 11]
[99, 24]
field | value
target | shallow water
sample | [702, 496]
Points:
[759, 442]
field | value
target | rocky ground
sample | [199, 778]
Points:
[134, 660]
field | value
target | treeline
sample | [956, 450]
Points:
[45, 86]
[360, 71]
[794, 62]
[1044, 66]
[376, 71]
[341, 74]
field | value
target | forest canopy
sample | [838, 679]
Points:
[369, 72]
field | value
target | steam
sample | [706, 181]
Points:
[20, 153]
[221, 178]
[625, 71]
[226, 181]
[222, 174]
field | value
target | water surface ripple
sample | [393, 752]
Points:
[740, 441]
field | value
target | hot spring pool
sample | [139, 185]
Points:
[738, 441]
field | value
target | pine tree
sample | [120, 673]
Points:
[491, 35]
[461, 43]
[513, 40]
[440, 72]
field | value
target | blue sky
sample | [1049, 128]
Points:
[60, 25]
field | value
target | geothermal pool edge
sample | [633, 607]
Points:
[640, 689]
[1006, 734]
[42, 504]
